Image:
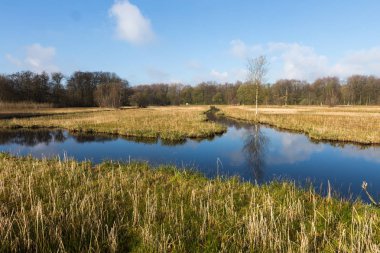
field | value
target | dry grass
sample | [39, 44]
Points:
[23, 105]
[359, 124]
[27, 109]
[171, 123]
[66, 206]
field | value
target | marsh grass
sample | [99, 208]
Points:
[169, 123]
[348, 124]
[67, 206]
[28, 110]
[23, 105]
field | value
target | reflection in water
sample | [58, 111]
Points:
[173, 143]
[84, 137]
[369, 154]
[293, 149]
[254, 144]
[251, 152]
[255, 148]
[31, 138]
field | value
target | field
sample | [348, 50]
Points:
[66, 206]
[169, 123]
[360, 124]
[27, 110]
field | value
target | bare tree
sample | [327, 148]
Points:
[257, 70]
[255, 147]
[110, 94]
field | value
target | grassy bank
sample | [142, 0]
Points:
[171, 123]
[27, 110]
[23, 105]
[51, 205]
[350, 124]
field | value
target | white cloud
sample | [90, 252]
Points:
[294, 60]
[38, 58]
[219, 76]
[294, 148]
[13, 60]
[298, 61]
[232, 75]
[240, 50]
[365, 61]
[131, 25]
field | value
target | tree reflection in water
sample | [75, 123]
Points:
[31, 138]
[255, 143]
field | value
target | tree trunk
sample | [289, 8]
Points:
[257, 95]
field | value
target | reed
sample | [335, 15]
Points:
[169, 123]
[358, 124]
[29, 109]
[23, 105]
[67, 206]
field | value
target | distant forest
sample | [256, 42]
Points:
[109, 90]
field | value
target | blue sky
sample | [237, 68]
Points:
[187, 41]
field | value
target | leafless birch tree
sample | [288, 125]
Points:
[257, 70]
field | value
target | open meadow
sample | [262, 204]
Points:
[27, 110]
[190, 126]
[70, 206]
[359, 124]
[170, 123]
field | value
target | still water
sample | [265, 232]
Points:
[254, 153]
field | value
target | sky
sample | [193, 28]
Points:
[190, 41]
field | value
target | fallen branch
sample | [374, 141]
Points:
[364, 187]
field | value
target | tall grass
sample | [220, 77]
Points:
[66, 206]
[170, 123]
[349, 124]
[23, 105]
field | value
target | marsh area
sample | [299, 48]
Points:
[255, 153]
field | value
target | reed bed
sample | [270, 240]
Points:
[23, 105]
[67, 206]
[348, 124]
[169, 123]
[27, 110]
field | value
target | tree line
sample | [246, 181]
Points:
[106, 89]
[80, 89]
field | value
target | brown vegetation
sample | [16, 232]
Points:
[66, 206]
[171, 123]
[349, 124]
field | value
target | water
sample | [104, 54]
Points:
[254, 153]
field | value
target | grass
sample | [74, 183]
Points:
[29, 109]
[168, 123]
[67, 206]
[23, 105]
[360, 124]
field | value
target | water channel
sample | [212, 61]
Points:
[255, 153]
